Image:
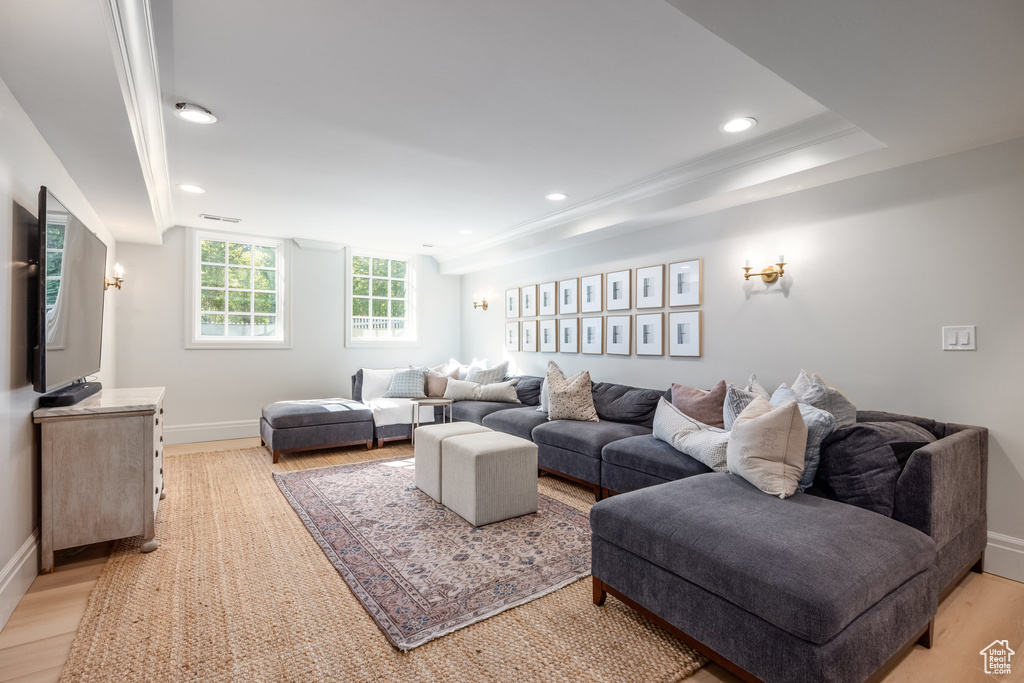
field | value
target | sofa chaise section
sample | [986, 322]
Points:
[785, 590]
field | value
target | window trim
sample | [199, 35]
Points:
[193, 290]
[411, 303]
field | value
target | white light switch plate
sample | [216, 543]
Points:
[960, 338]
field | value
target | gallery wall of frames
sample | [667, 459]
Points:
[622, 313]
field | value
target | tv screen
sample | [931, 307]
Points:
[71, 274]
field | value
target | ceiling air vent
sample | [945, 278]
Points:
[222, 219]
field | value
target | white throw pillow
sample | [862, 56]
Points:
[376, 383]
[767, 447]
[464, 369]
[488, 375]
[820, 423]
[826, 397]
[696, 439]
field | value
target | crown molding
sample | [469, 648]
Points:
[705, 184]
[130, 29]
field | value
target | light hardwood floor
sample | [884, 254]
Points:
[35, 642]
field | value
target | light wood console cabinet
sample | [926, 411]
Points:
[102, 469]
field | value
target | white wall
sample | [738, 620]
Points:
[26, 162]
[877, 265]
[217, 394]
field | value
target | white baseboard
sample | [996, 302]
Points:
[211, 431]
[18, 575]
[1004, 556]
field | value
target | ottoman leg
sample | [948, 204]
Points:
[277, 456]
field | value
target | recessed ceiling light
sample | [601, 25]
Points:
[194, 189]
[193, 113]
[739, 125]
[556, 196]
[428, 246]
[465, 231]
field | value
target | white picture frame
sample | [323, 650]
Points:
[512, 303]
[547, 335]
[568, 296]
[568, 335]
[685, 338]
[528, 336]
[528, 295]
[547, 298]
[650, 287]
[618, 294]
[592, 335]
[511, 336]
[592, 293]
[685, 283]
[618, 335]
[650, 334]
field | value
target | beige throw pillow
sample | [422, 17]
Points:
[437, 379]
[766, 446]
[461, 390]
[570, 398]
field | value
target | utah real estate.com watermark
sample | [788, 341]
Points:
[997, 657]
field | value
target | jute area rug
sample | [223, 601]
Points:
[240, 591]
[420, 570]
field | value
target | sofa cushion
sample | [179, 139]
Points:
[528, 390]
[767, 446]
[808, 565]
[629, 405]
[476, 411]
[860, 463]
[692, 437]
[518, 421]
[323, 411]
[587, 438]
[652, 456]
[703, 406]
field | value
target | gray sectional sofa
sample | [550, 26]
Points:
[803, 589]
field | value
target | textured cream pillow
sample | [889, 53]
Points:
[766, 446]
[689, 436]
[461, 390]
[571, 398]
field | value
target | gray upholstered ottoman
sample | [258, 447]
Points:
[489, 476]
[288, 426]
[428, 453]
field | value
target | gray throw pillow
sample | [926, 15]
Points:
[826, 397]
[407, 384]
[736, 399]
[820, 423]
[488, 376]
[691, 437]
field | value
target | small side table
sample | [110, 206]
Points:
[417, 403]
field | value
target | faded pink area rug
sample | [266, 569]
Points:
[419, 569]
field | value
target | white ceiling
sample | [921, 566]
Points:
[392, 124]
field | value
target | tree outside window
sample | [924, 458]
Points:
[381, 299]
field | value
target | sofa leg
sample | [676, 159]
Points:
[929, 633]
[369, 445]
[979, 566]
[277, 456]
[599, 592]
[598, 492]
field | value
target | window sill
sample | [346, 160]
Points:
[382, 344]
[236, 345]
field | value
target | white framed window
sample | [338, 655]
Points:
[237, 289]
[381, 301]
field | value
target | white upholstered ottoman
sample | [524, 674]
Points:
[428, 453]
[489, 476]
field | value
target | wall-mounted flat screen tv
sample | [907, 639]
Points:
[72, 265]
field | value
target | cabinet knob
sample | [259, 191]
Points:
[161, 411]
[157, 420]
[161, 470]
[156, 491]
[161, 438]
[156, 454]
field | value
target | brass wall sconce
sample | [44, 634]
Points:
[480, 304]
[769, 274]
[116, 281]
